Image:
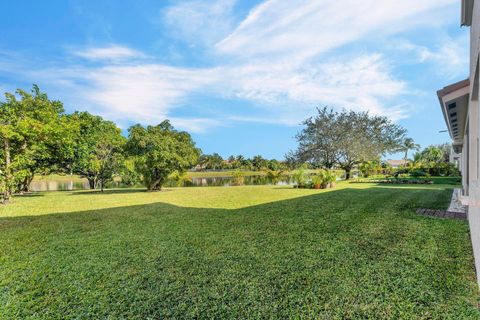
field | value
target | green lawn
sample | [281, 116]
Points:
[357, 251]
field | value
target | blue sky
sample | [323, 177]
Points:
[239, 75]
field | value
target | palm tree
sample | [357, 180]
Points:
[407, 145]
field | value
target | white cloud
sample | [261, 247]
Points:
[277, 58]
[200, 22]
[142, 92]
[304, 28]
[113, 52]
[363, 82]
[450, 59]
[198, 125]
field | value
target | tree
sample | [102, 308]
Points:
[432, 154]
[211, 162]
[368, 168]
[407, 145]
[346, 139]
[318, 141]
[435, 160]
[159, 151]
[33, 138]
[258, 162]
[128, 173]
[275, 165]
[98, 149]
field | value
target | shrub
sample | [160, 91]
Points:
[329, 178]
[317, 181]
[438, 169]
[274, 175]
[238, 178]
[322, 180]
[300, 178]
[181, 178]
[417, 173]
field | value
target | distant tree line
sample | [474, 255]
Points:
[38, 137]
[216, 162]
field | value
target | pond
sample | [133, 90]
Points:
[59, 185]
[81, 184]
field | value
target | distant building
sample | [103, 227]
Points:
[396, 163]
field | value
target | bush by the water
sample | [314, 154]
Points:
[238, 178]
[322, 180]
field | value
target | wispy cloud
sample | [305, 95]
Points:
[278, 58]
[305, 28]
[112, 52]
[363, 82]
[199, 22]
[449, 58]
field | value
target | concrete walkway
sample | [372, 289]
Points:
[456, 203]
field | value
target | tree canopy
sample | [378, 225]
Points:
[346, 139]
[98, 148]
[159, 151]
[34, 138]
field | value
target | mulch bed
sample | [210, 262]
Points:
[394, 181]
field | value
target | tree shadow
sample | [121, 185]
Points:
[29, 194]
[108, 191]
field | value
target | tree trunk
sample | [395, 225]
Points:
[347, 173]
[156, 185]
[7, 192]
[92, 182]
[25, 187]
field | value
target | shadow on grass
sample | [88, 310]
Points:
[108, 191]
[30, 194]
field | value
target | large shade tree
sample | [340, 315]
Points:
[159, 151]
[35, 138]
[98, 148]
[346, 138]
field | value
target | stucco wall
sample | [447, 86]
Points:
[474, 38]
[473, 142]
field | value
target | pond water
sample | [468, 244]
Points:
[81, 184]
[60, 185]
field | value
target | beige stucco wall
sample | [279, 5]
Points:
[473, 142]
[474, 38]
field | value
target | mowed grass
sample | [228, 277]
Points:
[357, 251]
